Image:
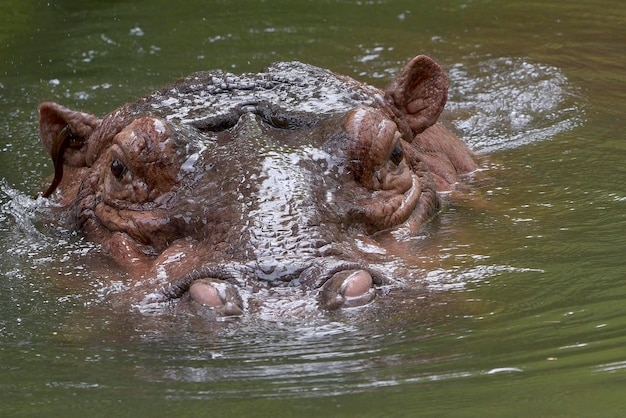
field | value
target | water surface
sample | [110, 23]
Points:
[520, 308]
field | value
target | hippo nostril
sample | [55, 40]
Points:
[218, 295]
[348, 288]
[356, 284]
[204, 293]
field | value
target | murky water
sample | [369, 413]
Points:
[523, 307]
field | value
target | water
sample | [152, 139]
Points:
[521, 309]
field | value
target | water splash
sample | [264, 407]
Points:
[504, 103]
[34, 247]
[19, 212]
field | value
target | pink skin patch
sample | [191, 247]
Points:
[357, 284]
[205, 294]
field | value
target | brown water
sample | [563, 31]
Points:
[524, 308]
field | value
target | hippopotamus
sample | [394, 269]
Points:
[220, 184]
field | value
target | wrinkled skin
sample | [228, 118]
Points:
[220, 183]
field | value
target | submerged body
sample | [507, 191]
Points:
[221, 182]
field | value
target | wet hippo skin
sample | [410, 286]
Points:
[221, 183]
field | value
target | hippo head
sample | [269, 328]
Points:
[223, 182]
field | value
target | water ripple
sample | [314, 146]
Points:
[508, 102]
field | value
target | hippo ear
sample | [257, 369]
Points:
[64, 133]
[419, 93]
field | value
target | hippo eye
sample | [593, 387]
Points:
[118, 169]
[396, 155]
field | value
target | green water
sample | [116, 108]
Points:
[523, 312]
